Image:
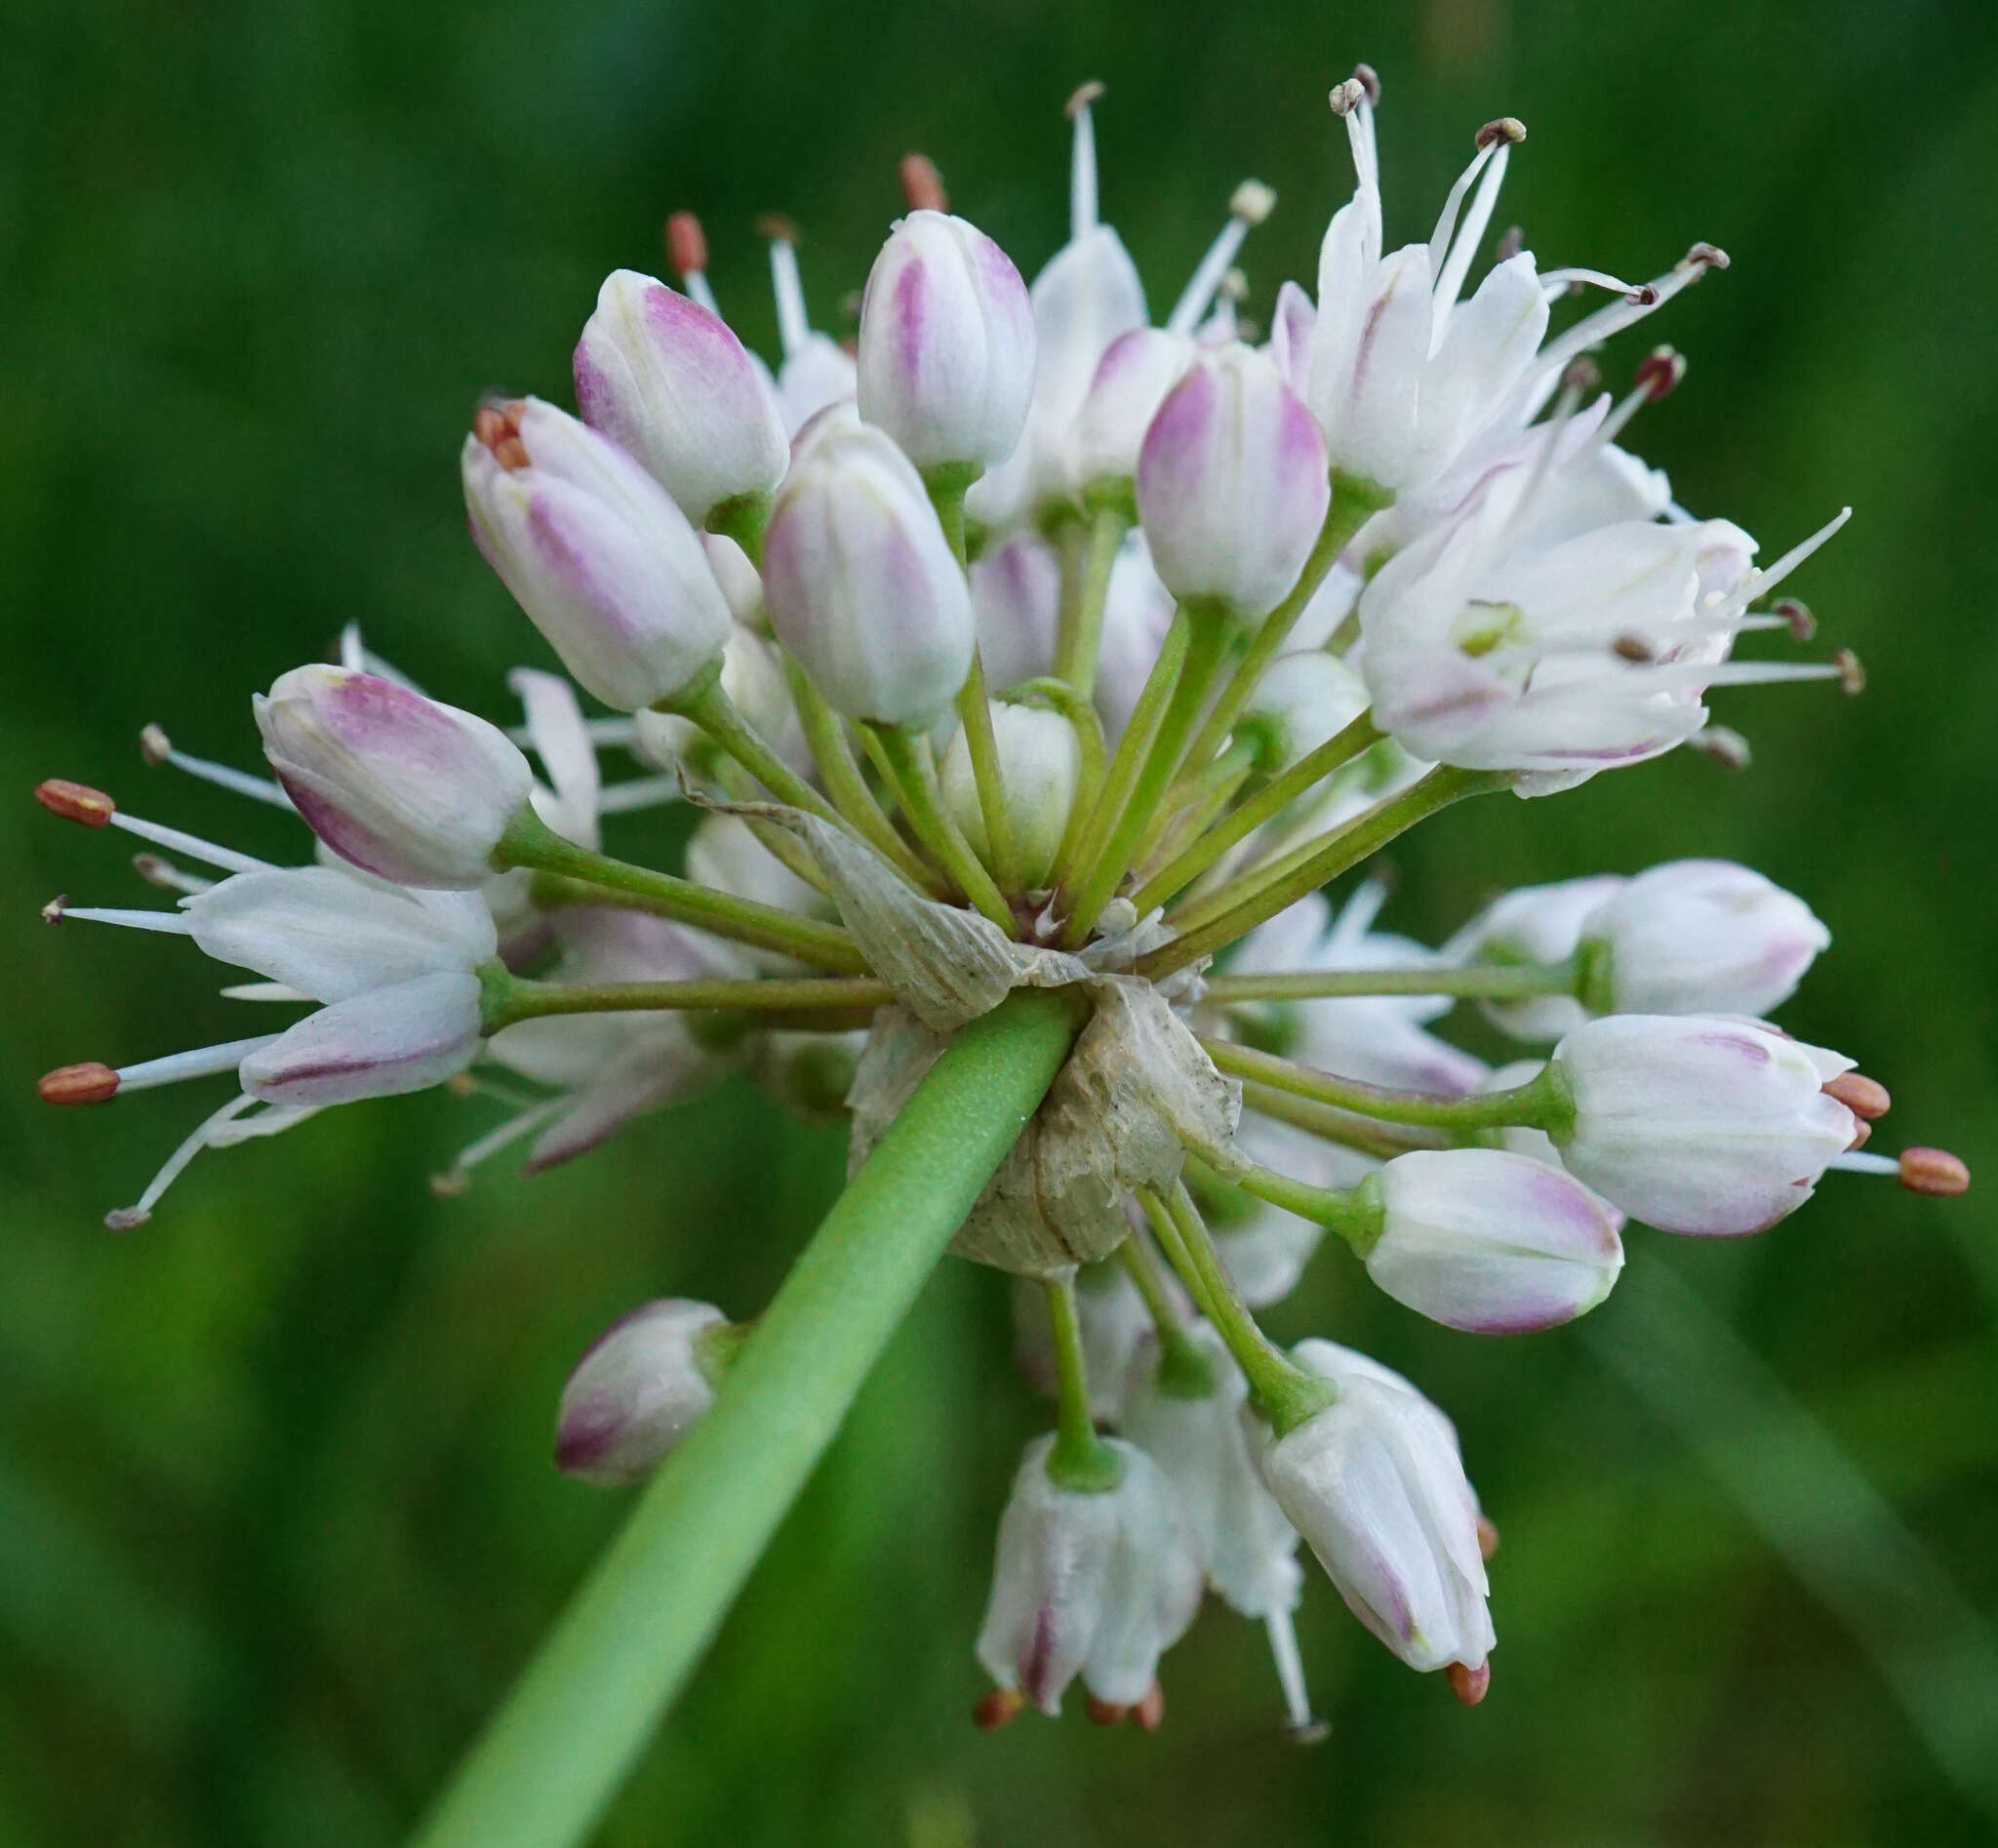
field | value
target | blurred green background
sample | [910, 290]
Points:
[277, 1524]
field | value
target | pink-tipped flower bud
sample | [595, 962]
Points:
[1488, 1241]
[400, 785]
[671, 384]
[1040, 763]
[1098, 1585]
[1697, 937]
[1130, 384]
[946, 360]
[596, 551]
[1376, 1487]
[860, 582]
[1698, 1124]
[1232, 484]
[645, 1381]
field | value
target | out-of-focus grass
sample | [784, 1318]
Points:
[276, 1522]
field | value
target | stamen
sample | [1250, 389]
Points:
[601, 732]
[1000, 1707]
[357, 658]
[1149, 1715]
[1862, 1134]
[130, 1218]
[1500, 137]
[1559, 282]
[1469, 1685]
[1932, 1171]
[1106, 1712]
[156, 747]
[1757, 582]
[1299, 1721]
[156, 870]
[1851, 673]
[1863, 1096]
[75, 801]
[89, 1083]
[687, 253]
[1452, 203]
[262, 992]
[1511, 241]
[1487, 1537]
[1369, 80]
[1592, 330]
[174, 923]
[55, 910]
[1723, 745]
[1251, 203]
[455, 1179]
[1082, 162]
[497, 426]
[1660, 372]
[1355, 100]
[1794, 615]
[639, 792]
[202, 1062]
[78, 802]
[922, 186]
[793, 329]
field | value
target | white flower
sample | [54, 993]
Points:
[1096, 1584]
[402, 787]
[639, 1389]
[1239, 1534]
[1374, 1484]
[1489, 1241]
[1697, 937]
[1699, 1124]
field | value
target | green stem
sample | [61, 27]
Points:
[1353, 504]
[743, 520]
[847, 788]
[1353, 1212]
[509, 998]
[1207, 641]
[974, 714]
[1369, 1136]
[948, 483]
[1184, 1372]
[1263, 894]
[1080, 1460]
[907, 758]
[1475, 981]
[711, 708]
[1312, 768]
[1285, 1393]
[1081, 640]
[530, 842]
[556, 1754]
[1542, 1102]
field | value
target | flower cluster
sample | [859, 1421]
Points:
[1026, 641]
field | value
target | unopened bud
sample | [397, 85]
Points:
[1504, 131]
[1000, 1707]
[1469, 1685]
[1933, 1171]
[75, 801]
[1864, 1096]
[638, 1391]
[154, 746]
[1660, 372]
[922, 186]
[686, 244]
[87, 1083]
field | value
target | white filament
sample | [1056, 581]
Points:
[202, 1062]
[793, 329]
[207, 852]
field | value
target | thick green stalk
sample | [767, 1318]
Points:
[1312, 768]
[1353, 504]
[711, 708]
[1080, 1460]
[1184, 1372]
[1207, 641]
[1081, 638]
[1262, 895]
[556, 1754]
[1542, 1102]
[530, 842]
[1370, 1136]
[1475, 981]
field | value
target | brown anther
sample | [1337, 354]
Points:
[1310, 1732]
[1000, 1707]
[777, 228]
[126, 1219]
[1723, 745]
[449, 1184]
[686, 244]
[1862, 1134]
[1851, 676]
[1106, 1712]
[922, 186]
[1251, 202]
[497, 427]
[1369, 80]
[1487, 1537]
[461, 1084]
[1234, 285]
[1511, 241]
[89, 1083]
[156, 870]
[1659, 373]
[1149, 1715]
[1581, 374]
[1346, 96]
[75, 801]
[1081, 98]
[1932, 1171]
[1795, 612]
[1707, 256]
[1863, 1096]
[1507, 130]
[51, 913]
[1469, 1685]
[1633, 647]
[154, 746]
[1644, 296]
